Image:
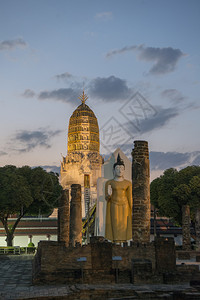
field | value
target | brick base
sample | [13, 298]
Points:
[55, 263]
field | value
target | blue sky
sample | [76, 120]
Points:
[138, 62]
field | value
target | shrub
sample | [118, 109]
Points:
[31, 245]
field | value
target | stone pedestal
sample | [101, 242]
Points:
[63, 218]
[141, 192]
[75, 215]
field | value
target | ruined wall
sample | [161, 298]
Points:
[140, 263]
[55, 263]
[141, 192]
[134, 251]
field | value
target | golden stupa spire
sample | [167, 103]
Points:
[83, 97]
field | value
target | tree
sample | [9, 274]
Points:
[161, 195]
[175, 193]
[195, 206]
[26, 191]
[181, 195]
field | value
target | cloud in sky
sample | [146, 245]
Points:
[64, 76]
[173, 95]
[153, 121]
[54, 169]
[29, 140]
[67, 95]
[109, 89]
[2, 153]
[196, 160]
[164, 59]
[28, 93]
[104, 88]
[160, 119]
[166, 160]
[12, 44]
[146, 123]
[106, 15]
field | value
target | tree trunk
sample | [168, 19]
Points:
[197, 227]
[186, 227]
[9, 239]
[154, 223]
[10, 232]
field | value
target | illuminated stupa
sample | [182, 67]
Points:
[82, 165]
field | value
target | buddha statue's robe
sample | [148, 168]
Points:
[118, 211]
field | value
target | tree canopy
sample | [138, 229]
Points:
[174, 189]
[26, 191]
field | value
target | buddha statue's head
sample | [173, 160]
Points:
[119, 167]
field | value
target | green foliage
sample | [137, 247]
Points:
[31, 245]
[174, 189]
[154, 192]
[181, 194]
[26, 191]
[14, 191]
[29, 190]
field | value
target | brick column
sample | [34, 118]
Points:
[186, 227]
[197, 227]
[63, 218]
[75, 215]
[141, 192]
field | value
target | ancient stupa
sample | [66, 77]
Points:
[83, 162]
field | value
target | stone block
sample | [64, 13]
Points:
[165, 254]
[183, 255]
[198, 258]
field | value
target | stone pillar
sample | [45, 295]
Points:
[63, 218]
[75, 215]
[141, 192]
[186, 227]
[197, 228]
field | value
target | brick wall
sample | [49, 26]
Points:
[55, 263]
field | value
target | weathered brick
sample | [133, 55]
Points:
[63, 218]
[141, 192]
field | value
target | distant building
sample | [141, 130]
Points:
[31, 230]
[37, 229]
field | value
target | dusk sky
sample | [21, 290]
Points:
[137, 60]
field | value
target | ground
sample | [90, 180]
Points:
[16, 283]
